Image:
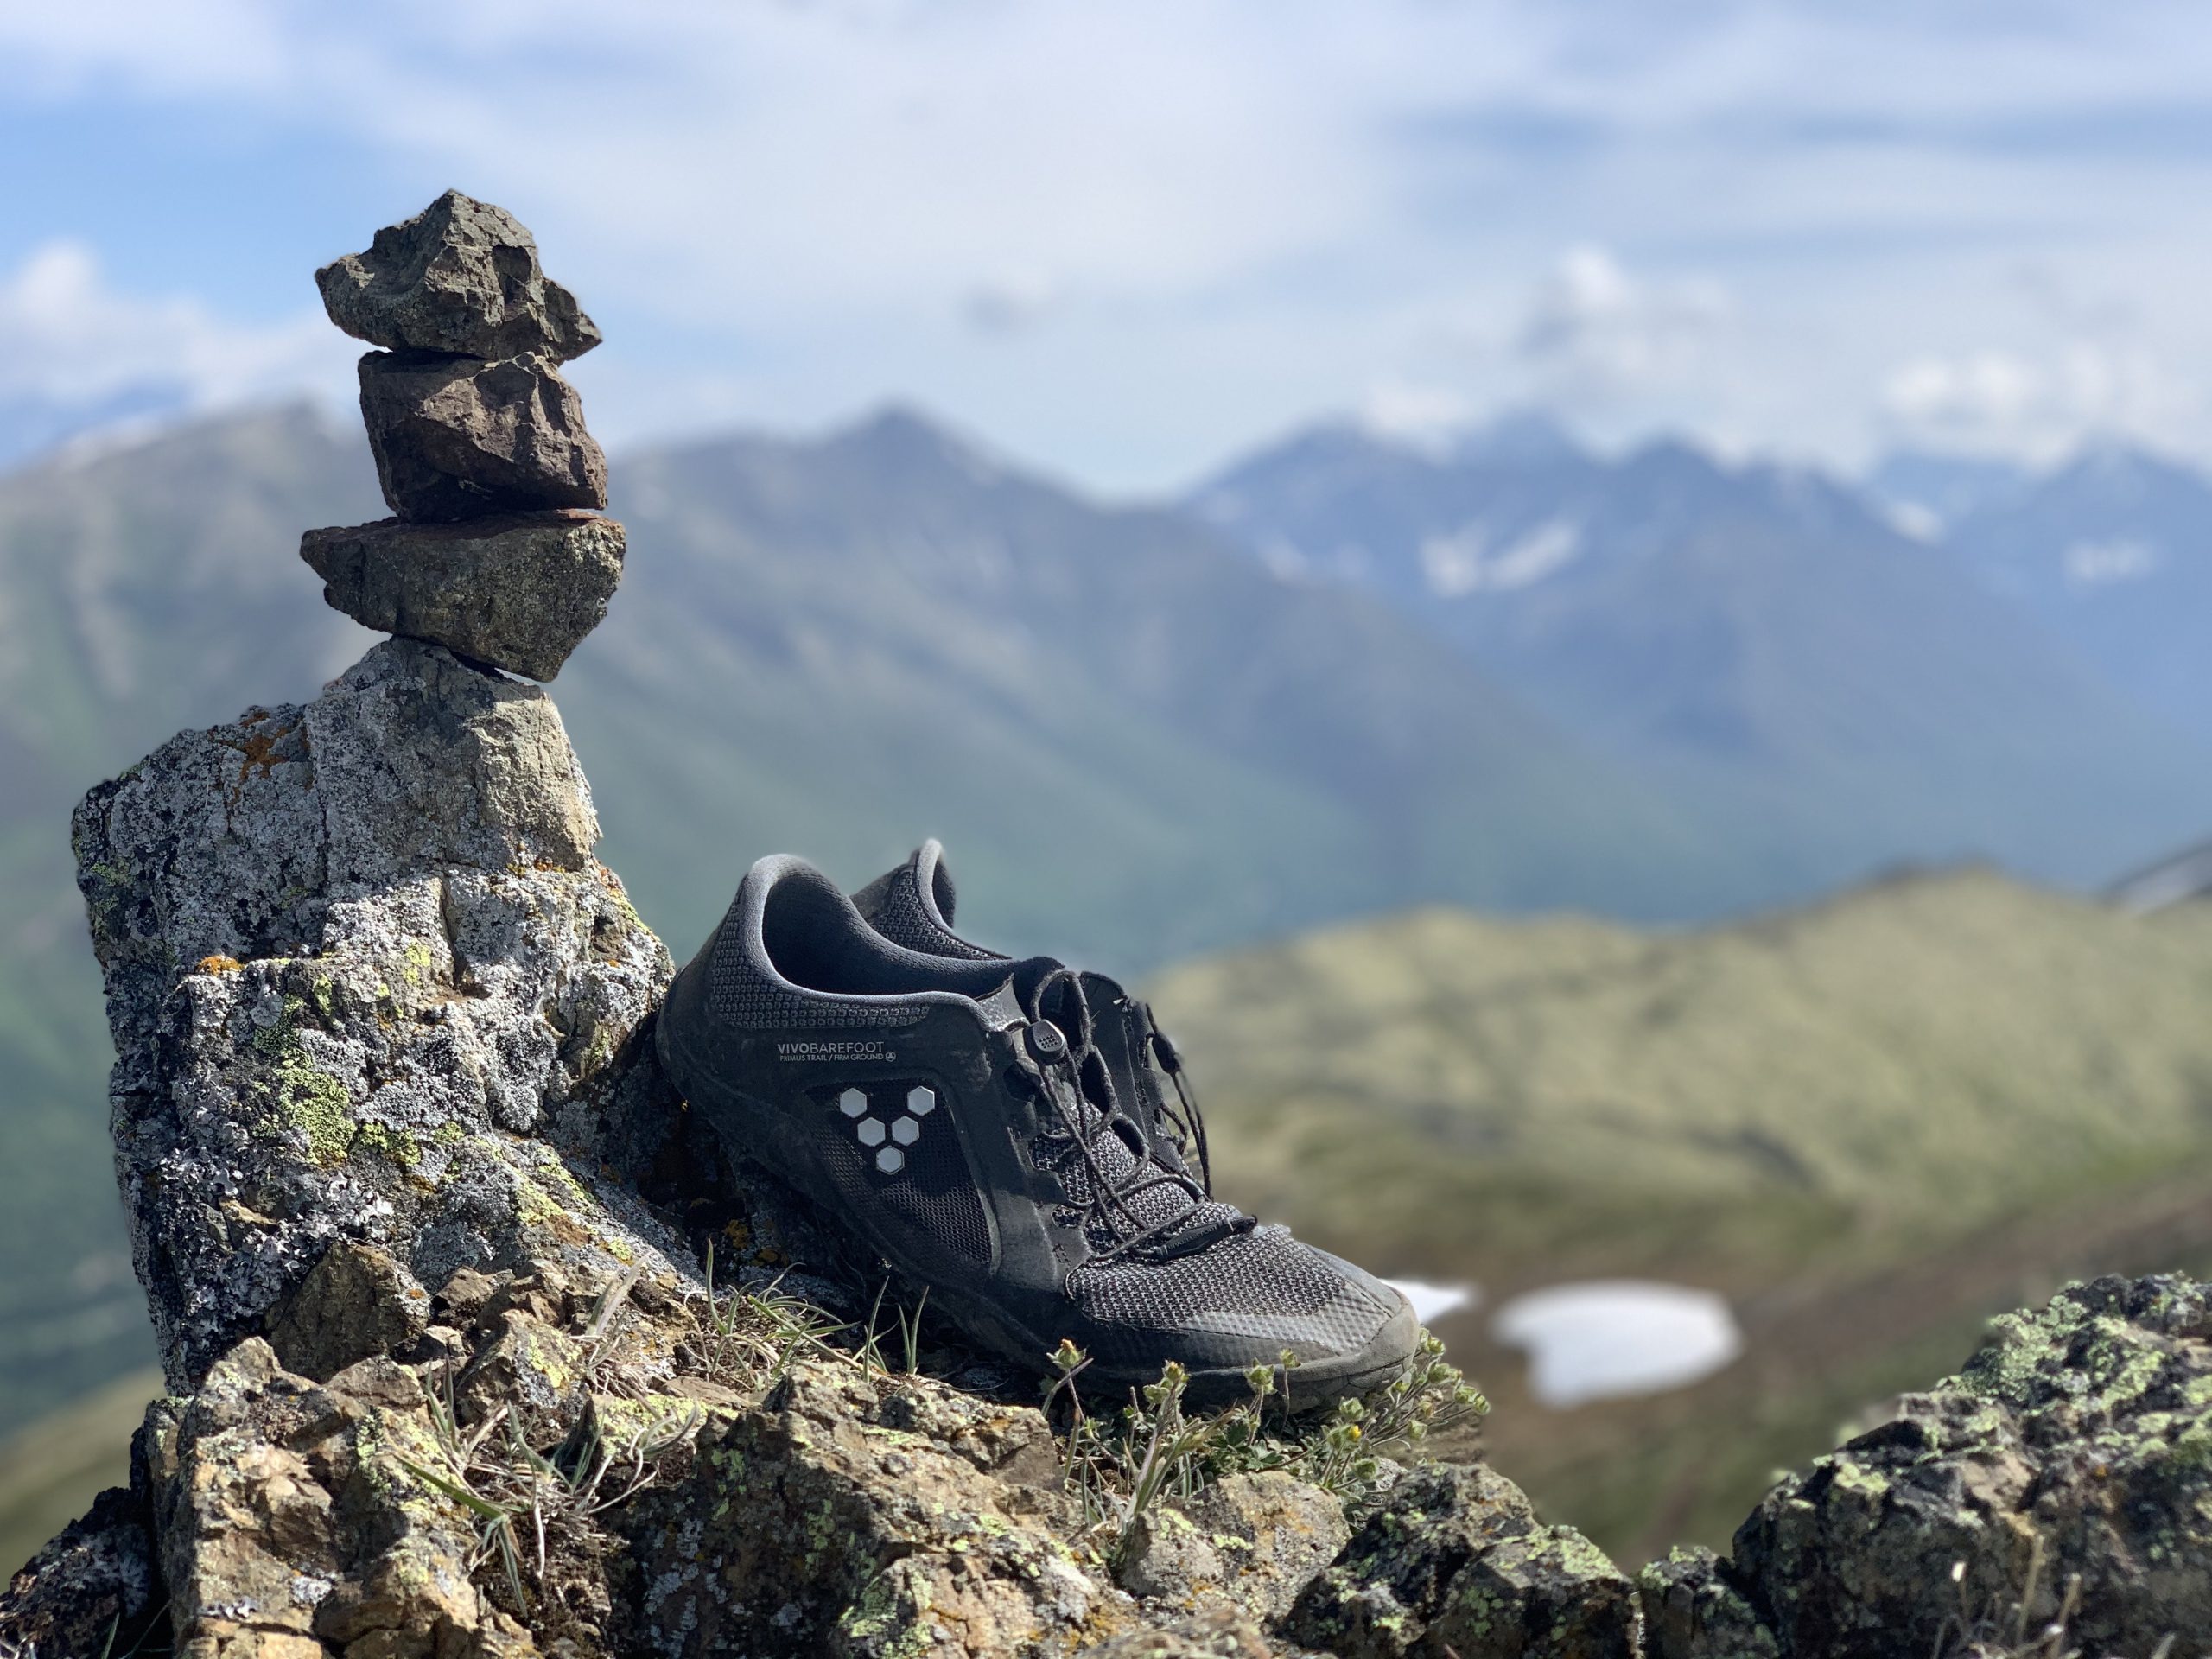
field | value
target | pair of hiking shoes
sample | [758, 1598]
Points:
[1012, 1134]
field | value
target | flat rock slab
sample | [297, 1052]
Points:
[456, 437]
[461, 276]
[519, 591]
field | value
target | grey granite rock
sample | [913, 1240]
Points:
[354, 952]
[456, 437]
[519, 591]
[461, 276]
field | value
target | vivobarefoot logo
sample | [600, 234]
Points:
[838, 1052]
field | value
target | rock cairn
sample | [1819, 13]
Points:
[498, 551]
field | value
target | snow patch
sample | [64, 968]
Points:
[1432, 1302]
[2099, 565]
[1610, 1338]
[1461, 562]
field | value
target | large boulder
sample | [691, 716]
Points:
[357, 953]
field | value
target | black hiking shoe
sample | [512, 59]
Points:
[912, 906]
[959, 1116]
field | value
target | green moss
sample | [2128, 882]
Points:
[394, 1146]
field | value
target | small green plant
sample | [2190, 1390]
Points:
[910, 1331]
[527, 1501]
[747, 1339]
[1118, 1470]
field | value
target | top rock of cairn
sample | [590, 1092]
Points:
[461, 276]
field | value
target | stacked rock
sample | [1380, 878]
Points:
[480, 447]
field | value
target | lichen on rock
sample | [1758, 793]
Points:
[1454, 1559]
[2068, 1467]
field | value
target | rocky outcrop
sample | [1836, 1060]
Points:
[2063, 1479]
[1454, 1560]
[355, 951]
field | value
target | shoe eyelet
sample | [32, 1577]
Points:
[1046, 1042]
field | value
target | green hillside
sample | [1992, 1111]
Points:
[1873, 1124]
[1900, 1065]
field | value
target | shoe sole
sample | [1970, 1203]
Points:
[755, 1126]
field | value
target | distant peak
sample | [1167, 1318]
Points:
[1522, 436]
[903, 434]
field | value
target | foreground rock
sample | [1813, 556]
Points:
[96, 1589]
[461, 276]
[2066, 1470]
[519, 592]
[454, 437]
[1454, 1560]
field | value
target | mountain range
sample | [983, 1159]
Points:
[1341, 678]
[1832, 692]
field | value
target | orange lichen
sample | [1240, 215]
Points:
[260, 750]
[220, 965]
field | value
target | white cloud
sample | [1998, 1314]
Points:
[2038, 406]
[1597, 333]
[69, 338]
[1419, 413]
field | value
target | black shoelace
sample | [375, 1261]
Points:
[1069, 1066]
[1184, 1119]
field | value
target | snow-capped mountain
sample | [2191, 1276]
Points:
[1768, 636]
[2112, 552]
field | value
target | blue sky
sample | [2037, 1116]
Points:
[1126, 241]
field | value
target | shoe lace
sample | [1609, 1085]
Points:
[1185, 1122]
[1118, 1178]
